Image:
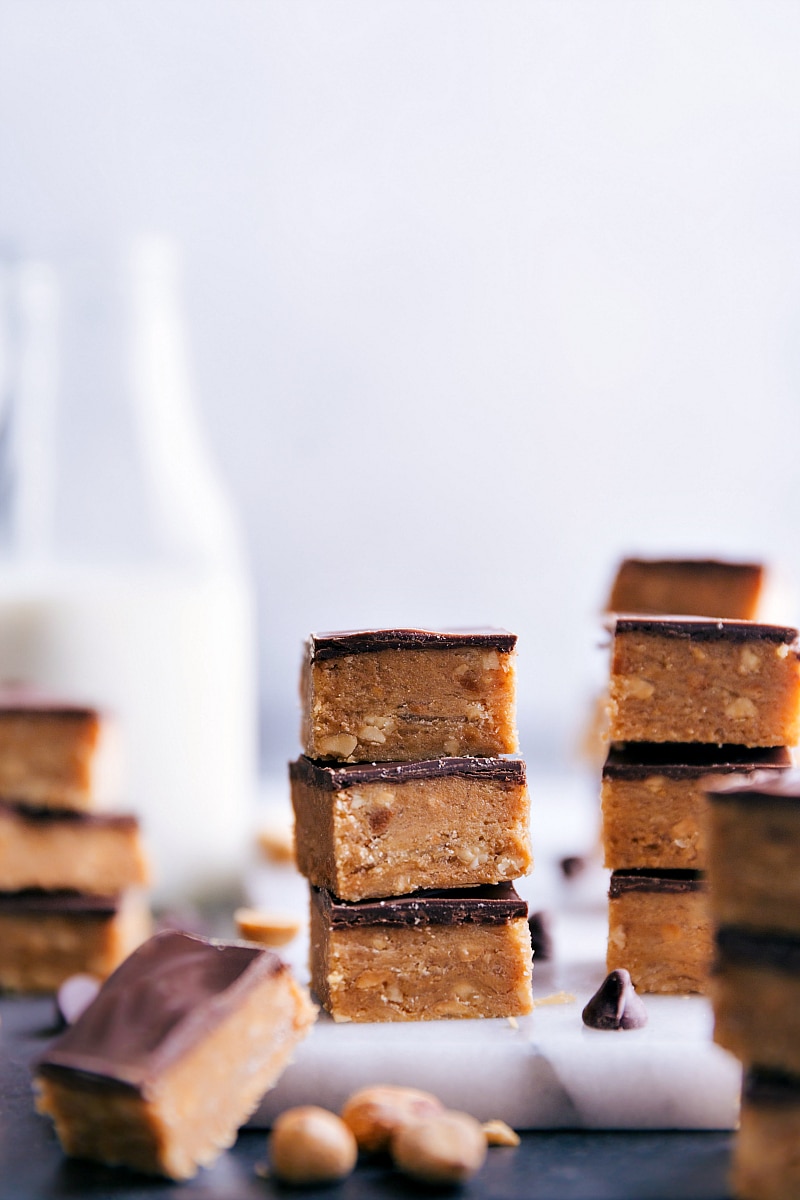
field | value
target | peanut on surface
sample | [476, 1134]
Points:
[375, 1113]
[445, 1148]
[311, 1145]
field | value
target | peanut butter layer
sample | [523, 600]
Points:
[654, 803]
[692, 680]
[386, 829]
[461, 953]
[699, 587]
[755, 989]
[173, 1055]
[766, 1163]
[659, 930]
[47, 936]
[401, 694]
[754, 851]
[57, 756]
[58, 849]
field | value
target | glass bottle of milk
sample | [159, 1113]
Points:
[122, 575]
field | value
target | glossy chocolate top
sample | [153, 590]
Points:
[773, 1089]
[654, 880]
[682, 760]
[704, 629]
[748, 947]
[58, 903]
[764, 787]
[332, 778]
[490, 904]
[365, 641]
[67, 816]
[158, 1005]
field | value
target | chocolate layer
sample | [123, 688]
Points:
[64, 816]
[781, 788]
[163, 1000]
[491, 904]
[701, 629]
[652, 880]
[35, 901]
[739, 945]
[333, 778]
[773, 1089]
[365, 641]
[690, 760]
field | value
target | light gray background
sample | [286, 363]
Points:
[481, 295]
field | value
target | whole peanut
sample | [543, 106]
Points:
[375, 1113]
[311, 1145]
[446, 1148]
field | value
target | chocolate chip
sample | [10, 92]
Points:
[541, 936]
[572, 865]
[75, 995]
[615, 1005]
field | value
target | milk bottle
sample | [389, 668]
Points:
[123, 582]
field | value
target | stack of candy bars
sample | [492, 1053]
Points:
[410, 826]
[69, 870]
[754, 895]
[691, 698]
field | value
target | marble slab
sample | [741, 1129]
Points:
[544, 1071]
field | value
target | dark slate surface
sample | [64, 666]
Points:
[547, 1166]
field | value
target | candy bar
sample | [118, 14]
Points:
[702, 587]
[694, 680]
[47, 936]
[401, 694]
[654, 799]
[659, 929]
[458, 953]
[754, 849]
[173, 1055]
[766, 1165]
[61, 849]
[385, 829]
[755, 987]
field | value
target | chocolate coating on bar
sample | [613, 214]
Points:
[773, 1089]
[65, 816]
[490, 904]
[333, 778]
[782, 788]
[365, 641]
[690, 760]
[702, 629]
[156, 1006]
[748, 947]
[32, 901]
[653, 880]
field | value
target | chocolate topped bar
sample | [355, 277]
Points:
[332, 777]
[748, 947]
[166, 997]
[766, 787]
[700, 629]
[706, 587]
[340, 644]
[56, 903]
[770, 1088]
[690, 760]
[492, 904]
[649, 880]
[72, 818]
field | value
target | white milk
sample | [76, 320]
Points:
[171, 653]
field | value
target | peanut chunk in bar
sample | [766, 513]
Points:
[173, 1055]
[654, 802]
[62, 849]
[385, 829]
[401, 694]
[754, 849]
[688, 587]
[659, 929]
[693, 680]
[457, 953]
[47, 936]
